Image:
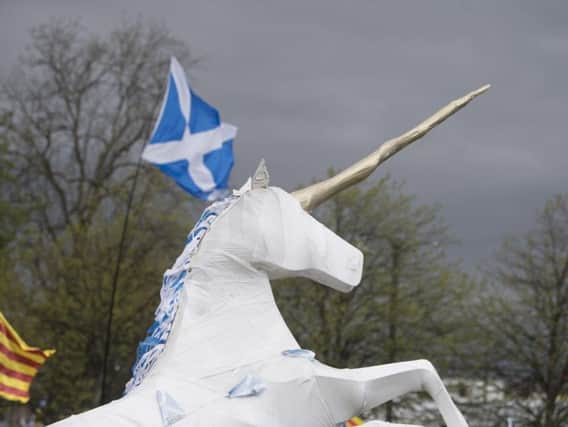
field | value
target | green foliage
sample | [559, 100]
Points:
[73, 121]
[69, 307]
[12, 216]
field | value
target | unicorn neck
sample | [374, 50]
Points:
[227, 318]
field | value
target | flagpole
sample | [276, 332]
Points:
[155, 153]
[115, 279]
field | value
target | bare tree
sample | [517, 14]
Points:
[527, 315]
[76, 112]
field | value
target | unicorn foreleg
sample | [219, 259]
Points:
[351, 391]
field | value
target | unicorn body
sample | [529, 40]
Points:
[227, 327]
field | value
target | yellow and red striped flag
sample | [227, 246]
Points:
[18, 363]
[355, 421]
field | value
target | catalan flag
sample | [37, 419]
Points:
[18, 363]
[352, 422]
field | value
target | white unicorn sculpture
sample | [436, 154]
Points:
[223, 356]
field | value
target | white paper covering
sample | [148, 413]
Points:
[227, 328]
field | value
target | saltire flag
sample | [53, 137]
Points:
[189, 143]
[18, 363]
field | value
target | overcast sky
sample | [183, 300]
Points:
[314, 84]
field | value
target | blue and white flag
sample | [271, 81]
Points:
[189, 142]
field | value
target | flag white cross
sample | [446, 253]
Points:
[193, 148]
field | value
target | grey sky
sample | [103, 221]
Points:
[313, 84]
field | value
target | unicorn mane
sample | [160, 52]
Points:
[174, 280]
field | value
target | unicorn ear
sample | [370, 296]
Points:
[261, 177]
